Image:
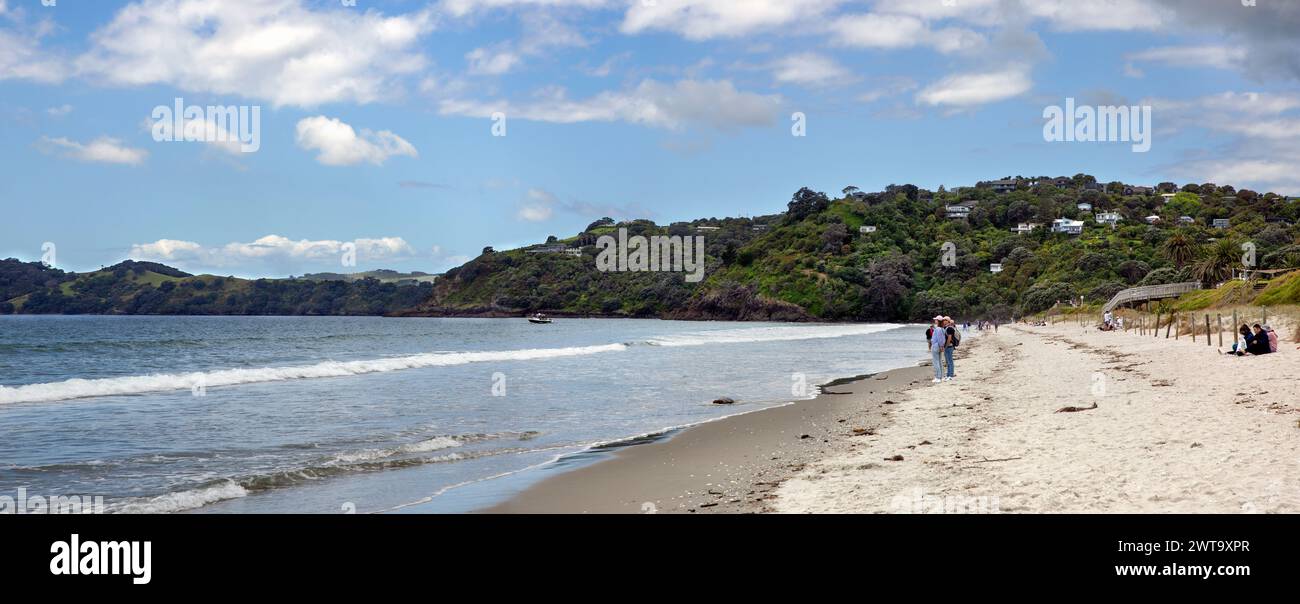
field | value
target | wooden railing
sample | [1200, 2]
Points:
[1150, 292]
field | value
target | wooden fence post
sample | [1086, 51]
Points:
[1170, 325]
[1207, 330]
[1156, 331]
[1220, 330]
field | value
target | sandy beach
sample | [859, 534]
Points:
[1177, 428]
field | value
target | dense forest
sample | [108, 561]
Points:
[814, 262]
[857, 257]
[147, 288]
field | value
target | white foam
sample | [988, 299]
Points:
[769, 334]
[164, 382]
[184, 500]
[424, 446]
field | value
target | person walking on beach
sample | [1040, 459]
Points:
[938, 341]
[950, 335]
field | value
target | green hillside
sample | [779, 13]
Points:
[811, 262]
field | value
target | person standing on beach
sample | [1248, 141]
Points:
[950, 343]
[938, 341]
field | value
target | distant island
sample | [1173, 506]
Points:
[149, 288]
[1019, 245]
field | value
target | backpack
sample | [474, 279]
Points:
[956, 338]
[929, 333]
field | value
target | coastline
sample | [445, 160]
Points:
[730, 465]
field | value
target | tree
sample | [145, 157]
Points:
[807, 202]
[1179, 249]
[1215, 266]
[850, 190]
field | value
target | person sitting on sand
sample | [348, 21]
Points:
[1272, 338]
[1259, 342]
[1242, 342]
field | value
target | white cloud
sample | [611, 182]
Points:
[809, 69]
[1064, 15]
[706, 19]
[339, 145]
[1216, 56]
[461, 8]
[60, 110]
[272, 250]
[538, 207]
[103, 150]
[1262, 130]
[21, 54]
[277, 50]
[715, 103]
[483, 61]
[889, 31]
[970, 89]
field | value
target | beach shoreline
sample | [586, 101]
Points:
[728, 465]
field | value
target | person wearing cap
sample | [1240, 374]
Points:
[938, 341]
[950, 343]
[1272, 338]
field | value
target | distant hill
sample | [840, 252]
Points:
[815, 262]
[148, 288]
[381, 275]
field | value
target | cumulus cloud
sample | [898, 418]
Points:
[1214, 55]
[338, 144]
[272, 250]
[714, 103]
[707, 19]
[21, 55]
[538, 207]
[103, 150]
[460, 8]
[888, 31]
[277, 50]
[542, 33]
[969, 89]
[809, 69]
[1260, 150]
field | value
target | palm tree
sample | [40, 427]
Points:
[1179, 249]
[1215, 265]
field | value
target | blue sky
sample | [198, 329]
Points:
[376, 120]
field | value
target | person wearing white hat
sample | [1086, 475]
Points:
[938, 341]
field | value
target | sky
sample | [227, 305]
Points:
[410, 134]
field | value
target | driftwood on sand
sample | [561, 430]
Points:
[1076, 409]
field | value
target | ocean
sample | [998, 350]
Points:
[368, 414]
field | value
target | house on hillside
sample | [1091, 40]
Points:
[1221, 223]
[1067, 226]
[866, 229]
[1108, 218]
[1152, 219]
[1138, 190]
[1025, 228]
[960, 210]
[708, 228]
[1003, 186]
[1084, 206]
[995, 267]
[1186, 220]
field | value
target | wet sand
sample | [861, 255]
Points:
[732, 465]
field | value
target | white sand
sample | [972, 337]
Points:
[1178, 428]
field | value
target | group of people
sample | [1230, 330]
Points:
[1260, 340]
[1110, 322]
[943, 338]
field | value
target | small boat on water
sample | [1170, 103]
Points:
[540, 319]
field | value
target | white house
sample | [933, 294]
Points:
[1186, 220]
[1024, 228]
[958, 211]
[1152, 219]
[1110, 218]
[1067, 226]
[995, 268]
[866, 229]
[1167, 196]
[1222, 223]
[1084, 207]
